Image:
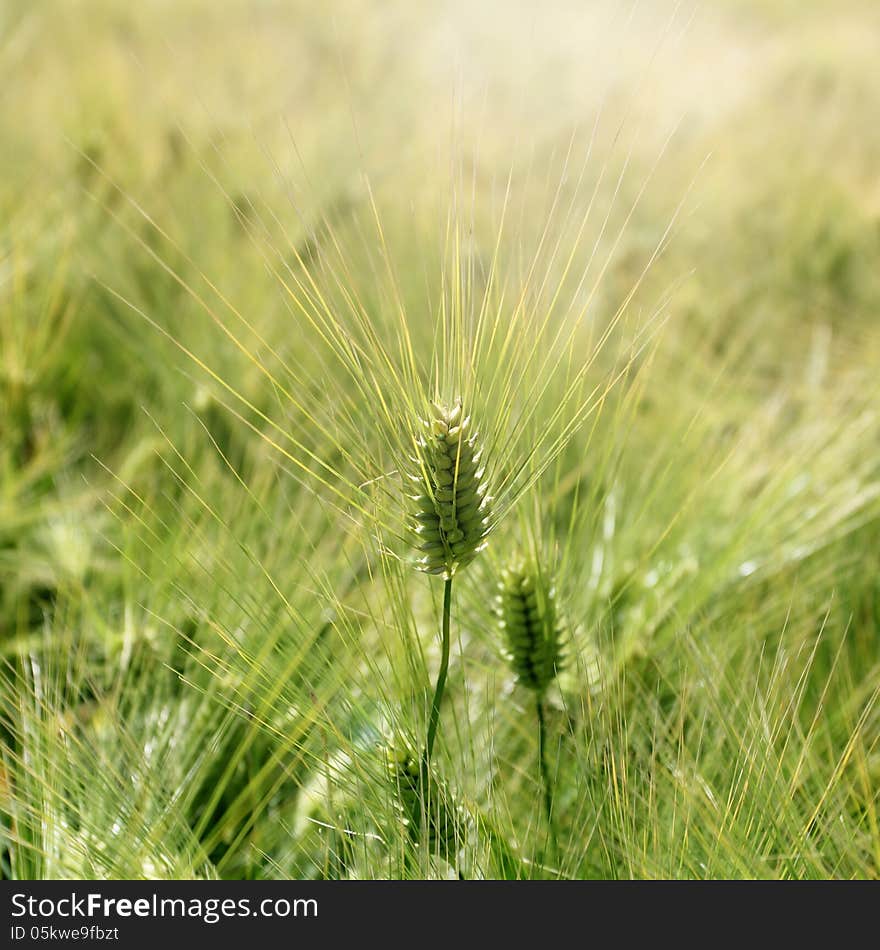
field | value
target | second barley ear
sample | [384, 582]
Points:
[529, 618]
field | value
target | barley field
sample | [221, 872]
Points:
[439, 440]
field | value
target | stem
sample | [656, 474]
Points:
[444, 669]
[546, 780]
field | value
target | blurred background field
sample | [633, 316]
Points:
[201, 659]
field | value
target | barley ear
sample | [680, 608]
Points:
[451, 508]
[528, 615]
[423, 801]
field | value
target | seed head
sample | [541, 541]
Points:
[529, 619]
[421, 799]
[451, 509]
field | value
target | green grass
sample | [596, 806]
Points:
[241, 255]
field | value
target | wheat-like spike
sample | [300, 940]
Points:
[451, 509]
[421, 800]
[529, 618]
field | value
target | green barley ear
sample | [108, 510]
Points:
[451, 516]
[529, 617]
[530, 620]
[422, 801]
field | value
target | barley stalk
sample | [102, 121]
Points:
[451, 516]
